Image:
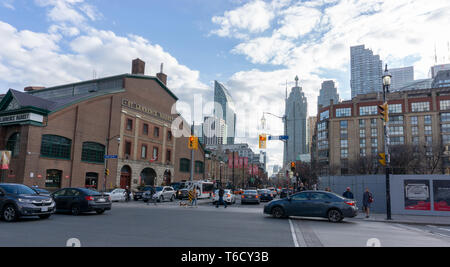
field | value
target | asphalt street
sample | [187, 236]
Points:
[169, 224]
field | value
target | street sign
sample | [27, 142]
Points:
[110, 156]
[281, 137]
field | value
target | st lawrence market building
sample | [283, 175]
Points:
[59, 136]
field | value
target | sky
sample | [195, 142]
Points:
[253, 47]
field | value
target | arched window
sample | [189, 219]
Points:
[13, 144]
[185, 165]
[93, 152]
[54, 146]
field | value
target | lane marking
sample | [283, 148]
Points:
[294, 235]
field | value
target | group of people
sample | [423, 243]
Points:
[367, 198]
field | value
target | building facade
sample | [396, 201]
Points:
[401, 77]
[59, 135]
[225, 111]
[350, 135]
[366, 71]
[296, 112]
[442, 79]
[328, 92]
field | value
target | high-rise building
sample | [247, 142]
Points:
[442, 79]
[214, 131]
[225, 110]
[435, 69]
[366, 71]
[328, 92]
[296, 112]
[401, 77]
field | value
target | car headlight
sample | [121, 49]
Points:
[25, 200]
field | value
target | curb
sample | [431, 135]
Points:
[402, 222]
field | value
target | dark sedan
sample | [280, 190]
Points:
[313, 204]
[17, 200]
[78, 200]
[265, 195]
[250, 196]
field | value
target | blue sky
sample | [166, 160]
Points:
[252, 46]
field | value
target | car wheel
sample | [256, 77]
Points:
[100, 211]
[45, 216]
[172, 198]
[75, 210]
[145, 200]
[335, 216]
[278, 212]
[10, 213]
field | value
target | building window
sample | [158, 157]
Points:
[396, 130]
[362, 123]
[168, 156]
[428, 130]
[344, 124]
[374, 151]
[325, 115]
[395, 108]
[344, 134]
[144, 152]
[54, 146]
[362, 133]
[397, 140]
[127, 148]
[362, 152]
[344, 143]
[185, 165]
[145, 129]
[343, 112]
[93, 152]
[427, 119]
[396, 119]
[415, 140]
[374, 132]
[445, 128]
[415, 130]
[373, 122]
[414, 120]
[445, 117]
[362, 142]
[374, 142]
[155, 153]
[368, 110]
[156, 132]
[53, 179]
[169, 136]
[323, 126]
[129, 124]
[13, 144]
[446, 139]
[428, 140]
[420, 106]
[199, 168]
[344, 153]
[444, 104]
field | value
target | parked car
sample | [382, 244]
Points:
[148, 195]
[228, 197]
[117, 194]
[17, 200]
[41, 191]
[284, 192]
[265, 195]
[138, 194]
[313, 204]
[79, 200]
[250, 196]
[163, 193]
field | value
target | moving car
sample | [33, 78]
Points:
[138, 195]
[78, 200]
[17, 200]
[163, 193]
[265, 195]
[313, 204]
[228, 197]
[250, 196]
[117, 194]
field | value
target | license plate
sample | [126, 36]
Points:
[101, 200]
[44, 209]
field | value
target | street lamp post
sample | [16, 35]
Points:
[106, 160]
[386, 83]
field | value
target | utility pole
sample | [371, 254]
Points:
[386, 83]
[192, 155]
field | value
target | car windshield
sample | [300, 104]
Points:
[89, 192]
[18, 189]
[40, 190]
[250, 192]
[159, 188]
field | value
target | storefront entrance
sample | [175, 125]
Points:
[148, 176]
[125, 177]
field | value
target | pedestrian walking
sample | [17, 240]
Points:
[194, 197]
[348, 193]
[367, 202]
[127, 193]
[221, 193]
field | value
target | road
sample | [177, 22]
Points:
[168, 225]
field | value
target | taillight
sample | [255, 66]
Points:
[228, 195]
[242, 196]
[257, 196]
[89, 198]
[351, 203]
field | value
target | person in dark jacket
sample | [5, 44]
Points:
[367, 201]
[348, 193]
[221, 193]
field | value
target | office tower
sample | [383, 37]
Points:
[225, 110]
[366, 71]
[436, 68]
[401, 77]
[328, 92]
[295, 124]
[214, 131]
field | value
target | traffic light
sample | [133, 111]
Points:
[293, 166]
[262, 141]
[106, 171]
[384, 112]
[383, 159]
[193, 142]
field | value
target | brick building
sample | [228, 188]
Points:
[350, 135]
[59, 135]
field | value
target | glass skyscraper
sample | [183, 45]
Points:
[225, 110]
[366, 71]
[327, 93]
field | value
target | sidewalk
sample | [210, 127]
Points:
[405, 219]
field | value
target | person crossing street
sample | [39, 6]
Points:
[221, 193]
